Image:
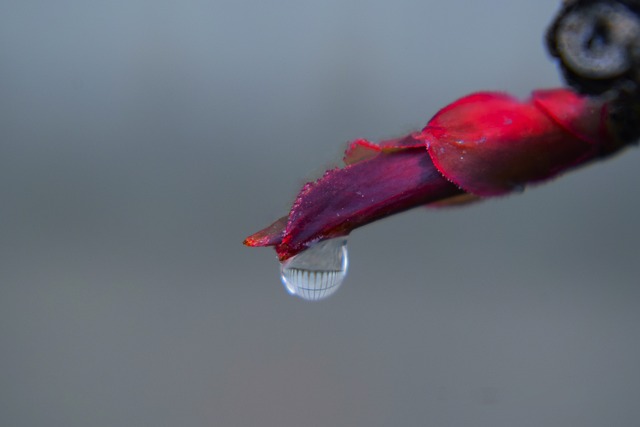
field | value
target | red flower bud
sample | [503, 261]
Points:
[482, 145]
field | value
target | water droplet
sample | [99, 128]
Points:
[317, 272]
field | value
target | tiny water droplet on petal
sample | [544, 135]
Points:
[317, 272]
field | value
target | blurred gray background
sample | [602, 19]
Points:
[141, 141]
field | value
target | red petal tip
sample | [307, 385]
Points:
[270, 236]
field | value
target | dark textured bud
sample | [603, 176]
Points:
[598, 45]
[624, 117]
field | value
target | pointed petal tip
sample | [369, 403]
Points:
[252, 241]
[269, 236]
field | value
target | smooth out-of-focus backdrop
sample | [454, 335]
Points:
[141, 141]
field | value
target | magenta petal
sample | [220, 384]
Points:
[360, 193]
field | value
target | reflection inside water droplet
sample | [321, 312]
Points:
[317, 272]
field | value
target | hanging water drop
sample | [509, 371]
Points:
[317, 272]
